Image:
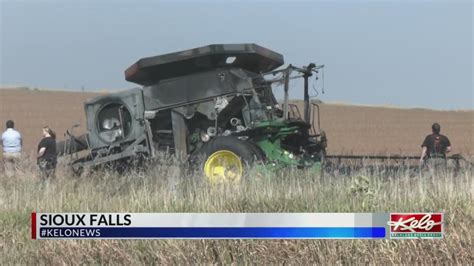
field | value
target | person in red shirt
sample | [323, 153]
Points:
[435, 147]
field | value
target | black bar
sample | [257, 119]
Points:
[371, 157]
[380, 157]
[306, 99]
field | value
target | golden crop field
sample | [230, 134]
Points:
[164, 187]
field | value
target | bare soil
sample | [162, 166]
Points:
[33, 109]
[350, 129]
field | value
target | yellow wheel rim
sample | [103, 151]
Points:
[223, 166]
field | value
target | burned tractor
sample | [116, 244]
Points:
[213, 104]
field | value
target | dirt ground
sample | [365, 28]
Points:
[33, 109]
[392, 131]
[350, 129]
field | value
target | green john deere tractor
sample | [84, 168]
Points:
[215, 103]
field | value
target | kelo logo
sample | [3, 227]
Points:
[416, 225]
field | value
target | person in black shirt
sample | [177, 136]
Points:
[47, 157]
[435, 146]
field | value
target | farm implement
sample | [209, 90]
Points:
[387, 165]
[215, 106]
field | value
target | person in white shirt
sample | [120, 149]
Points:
[11, 146]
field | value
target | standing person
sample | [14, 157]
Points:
[12, 144]
[435, 147]
[47, 157]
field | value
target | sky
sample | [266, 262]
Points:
[403, 53]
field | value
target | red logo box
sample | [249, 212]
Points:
[416, 225]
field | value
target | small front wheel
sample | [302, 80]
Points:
[223, 165]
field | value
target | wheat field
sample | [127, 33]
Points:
[166, 188]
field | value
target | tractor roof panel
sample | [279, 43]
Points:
[251, 57]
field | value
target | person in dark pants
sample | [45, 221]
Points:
[47, 157]
[435, 147]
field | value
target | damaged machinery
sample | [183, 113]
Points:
[214, 104]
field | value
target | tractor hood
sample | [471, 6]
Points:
[251, 57]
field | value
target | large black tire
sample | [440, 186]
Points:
[248, 152]
[259, 154]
